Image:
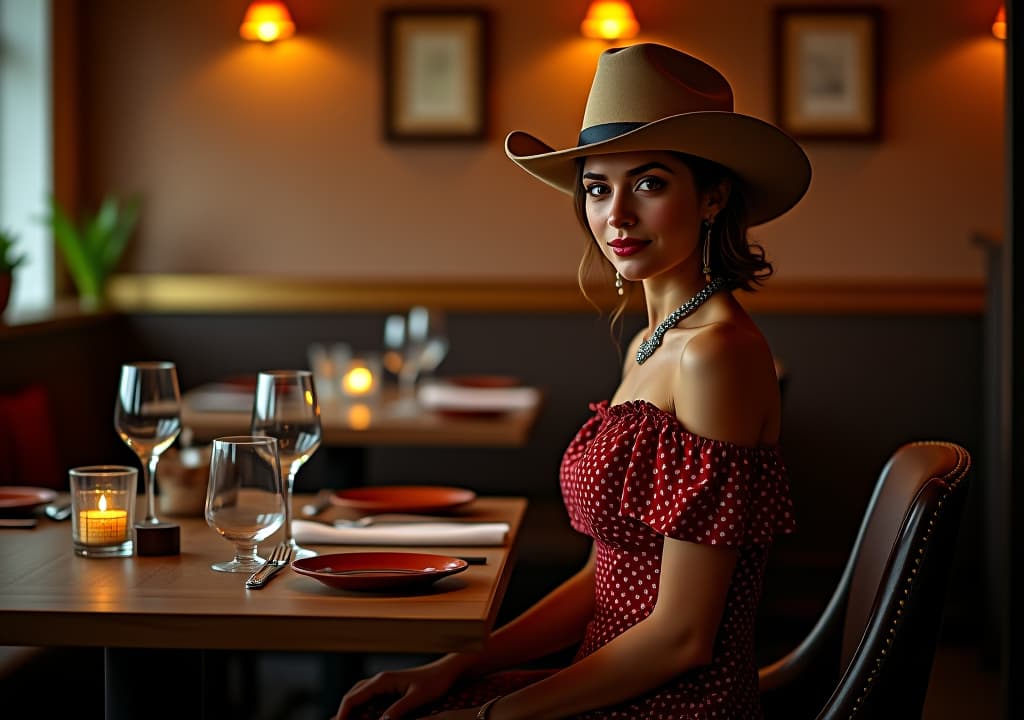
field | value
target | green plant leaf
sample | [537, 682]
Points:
[73, 247]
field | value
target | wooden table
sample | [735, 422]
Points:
[389, 420]
[50, 597]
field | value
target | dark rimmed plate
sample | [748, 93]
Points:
[403, 498]
[378, 571]
[18, 499]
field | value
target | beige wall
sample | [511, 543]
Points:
[269, 160]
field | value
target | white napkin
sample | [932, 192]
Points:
[446, 396]
[414, 533]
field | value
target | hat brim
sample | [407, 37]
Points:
[771, 166]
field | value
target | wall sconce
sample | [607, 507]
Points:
[267, 21]
[999, 26]
[610, 20]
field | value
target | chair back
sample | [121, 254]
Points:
[870, 654]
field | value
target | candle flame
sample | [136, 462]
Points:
[103, 502]
[358, 381]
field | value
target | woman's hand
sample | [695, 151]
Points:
[415, 686]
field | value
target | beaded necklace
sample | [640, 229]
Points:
[648, 346]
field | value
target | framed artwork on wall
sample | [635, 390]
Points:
[435, 74]
[828, 72]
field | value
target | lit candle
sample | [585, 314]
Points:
[362, 377]
[102, 526]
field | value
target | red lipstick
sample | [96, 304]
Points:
[627, 246]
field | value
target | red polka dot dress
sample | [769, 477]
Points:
[632, 475]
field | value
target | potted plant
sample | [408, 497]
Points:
[8, 261]
[93, 248]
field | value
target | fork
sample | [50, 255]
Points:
[281, 556]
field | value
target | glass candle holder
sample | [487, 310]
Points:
[103, 510]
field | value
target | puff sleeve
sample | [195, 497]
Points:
[692, 488]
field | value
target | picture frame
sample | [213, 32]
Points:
[828, 72]
[435, 74]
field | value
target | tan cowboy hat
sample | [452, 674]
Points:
[652, 97]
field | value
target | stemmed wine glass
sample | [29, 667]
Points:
[286, 408]
[426, 345]
[147, 417]
[244, 499]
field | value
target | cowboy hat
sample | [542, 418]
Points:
[652, 97]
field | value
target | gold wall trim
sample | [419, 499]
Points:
[254, 294]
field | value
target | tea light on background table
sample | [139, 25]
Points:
[361, 379]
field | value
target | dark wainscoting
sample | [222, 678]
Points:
[857, 386]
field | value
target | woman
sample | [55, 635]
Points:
[678, 479]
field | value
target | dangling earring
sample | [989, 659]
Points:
[618, 283]
[707, 249]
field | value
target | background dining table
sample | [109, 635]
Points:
[157, 616]
[349, 429]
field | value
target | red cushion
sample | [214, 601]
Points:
[28, 450]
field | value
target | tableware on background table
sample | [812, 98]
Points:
[147, 416]
[394, 345]
[417, 533]
[277, 561]
[426, 345]
[18, 500]
[379, 571]
[403, 498]
[245, 500]
[455, 399]
[103, 510]
[286, 408]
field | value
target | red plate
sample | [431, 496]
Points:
[485, 381]
[16, 499]
[403, 498]
[374, 571]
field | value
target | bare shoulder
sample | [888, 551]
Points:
[726, 386]
[725, 349]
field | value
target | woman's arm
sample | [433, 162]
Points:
[677, 636]
[555, 622]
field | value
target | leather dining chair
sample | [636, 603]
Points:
[870, 653]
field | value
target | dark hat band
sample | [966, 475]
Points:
[606, 131]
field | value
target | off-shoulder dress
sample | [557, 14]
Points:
[631, 476]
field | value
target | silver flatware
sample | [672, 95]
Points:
[318, 505]
[58, 511]
[390, 519]
[281, 556]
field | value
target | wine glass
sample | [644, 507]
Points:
[426, 345]
[286, 408]
[244, 499]
[147, 417]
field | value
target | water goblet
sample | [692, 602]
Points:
[286, 408]
[147, 417]
[245, 498]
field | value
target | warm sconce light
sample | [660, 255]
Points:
[267, 20]
[999, 26]
[610, 20]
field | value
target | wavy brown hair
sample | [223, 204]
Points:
[734, 256]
